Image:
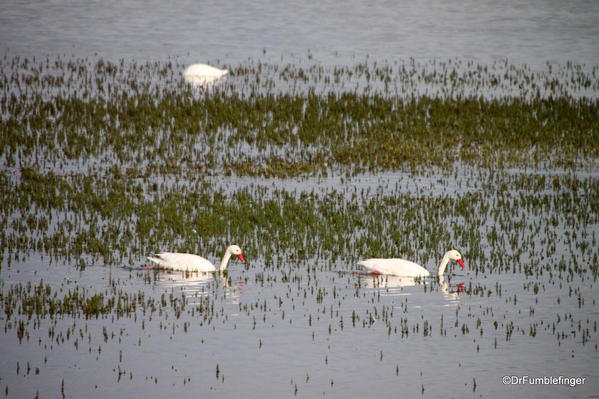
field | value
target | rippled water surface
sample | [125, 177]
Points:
[531, 31]
[313, 328]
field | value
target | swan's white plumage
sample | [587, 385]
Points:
[184, 262]
[194, 263]
[202, 74]
[395, 266]
[402, 267]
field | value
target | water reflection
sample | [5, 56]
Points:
[196, 285]
[394, 285]
[451, 292]
[202, 81]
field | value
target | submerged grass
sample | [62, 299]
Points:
[86, 219]
[143, 119]
[104, 164]
[109, 161]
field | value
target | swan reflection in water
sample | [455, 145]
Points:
[198, 285]
[394, 285]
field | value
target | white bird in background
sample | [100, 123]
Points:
[194, 263]
[202, 74]
[402, 267]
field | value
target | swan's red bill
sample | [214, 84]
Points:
[461, 262]
[240, 256]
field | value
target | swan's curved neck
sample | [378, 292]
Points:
[225, 261]
[443, 265]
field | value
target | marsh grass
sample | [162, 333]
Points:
[308, 169]
[132, 119]
[110, 161]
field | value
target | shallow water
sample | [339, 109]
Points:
[285, 328]
[295, 321]
[531, 32]
[269, 339]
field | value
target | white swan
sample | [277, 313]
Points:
[402, 267]
[194, 263]
[202, 74]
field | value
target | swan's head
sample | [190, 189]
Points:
[455, 255]
[235, 250]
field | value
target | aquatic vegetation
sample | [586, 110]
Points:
[309, 168]
[142, 120]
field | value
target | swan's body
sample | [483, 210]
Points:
[202, 74]
[194, 263]
[402, 267]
